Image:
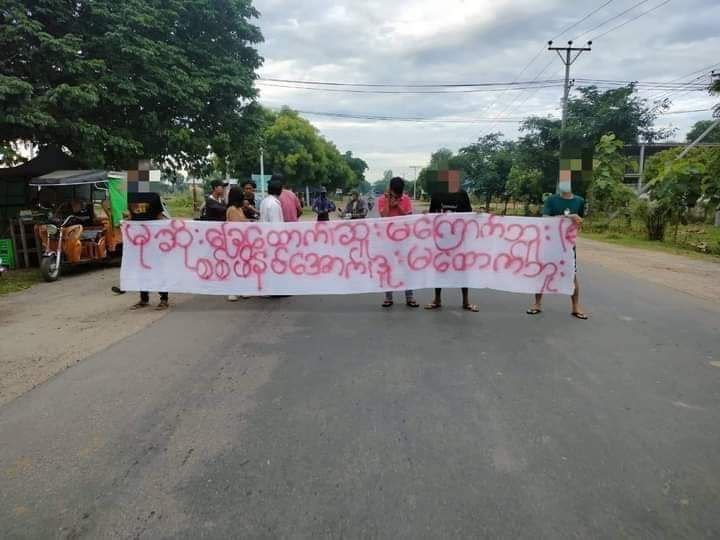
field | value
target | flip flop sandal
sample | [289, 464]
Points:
[117, 290]
[580, 316]
[433, 306]
[533, 311]
[412, 304]
[387, 304]
[139, 305]
[471, 307]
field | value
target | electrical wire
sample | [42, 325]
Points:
[630, 20]
[354, 91]
[401, 85]
[611, 19]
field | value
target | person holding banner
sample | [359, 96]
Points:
[441, 203]
[396, 203]
[572, 206]
[147, 207]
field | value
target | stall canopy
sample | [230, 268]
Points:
[69, 178]
[14, 194]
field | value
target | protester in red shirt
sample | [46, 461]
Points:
[395, 203]
[291, 207]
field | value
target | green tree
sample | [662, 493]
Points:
[116, 81]
[487, 164]
[699, 128]
[539, 148]
[674, 187]
[358, 167]
[608, 193]
[295, 148]
[593, 113]
[525, 185]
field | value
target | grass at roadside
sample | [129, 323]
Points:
[19, 280]
[688, 240]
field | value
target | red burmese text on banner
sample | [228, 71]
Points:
[524, 255]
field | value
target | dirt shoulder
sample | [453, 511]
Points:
[699, 278]
[52, 326]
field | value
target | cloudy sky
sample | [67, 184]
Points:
[470, 41]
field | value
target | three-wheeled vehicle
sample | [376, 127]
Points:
[83, 210]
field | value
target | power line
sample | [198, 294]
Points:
[611, 19]
[669, 85]
[630, 20]
[542, 50]
[421, 119]
[354, 91]
[397, 85]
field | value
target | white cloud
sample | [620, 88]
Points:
[465, 41]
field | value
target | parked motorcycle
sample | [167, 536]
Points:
[52, 258]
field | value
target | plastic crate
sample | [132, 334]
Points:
[7, 252]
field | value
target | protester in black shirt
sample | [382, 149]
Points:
[146, 207]
[441, 203]
[250, 205]
[215, 208]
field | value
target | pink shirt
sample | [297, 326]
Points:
[402, 209]
[290, 205]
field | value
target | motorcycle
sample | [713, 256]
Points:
[52, 258]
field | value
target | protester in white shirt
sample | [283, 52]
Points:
[270, 208]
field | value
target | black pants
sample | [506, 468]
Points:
[145, 296]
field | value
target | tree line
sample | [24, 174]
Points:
[525, 170]
[173, 81]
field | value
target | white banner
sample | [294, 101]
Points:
[515, 254]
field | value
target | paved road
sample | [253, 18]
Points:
[328, 418]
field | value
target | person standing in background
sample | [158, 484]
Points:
[215, 208]
[323, 206]
[291, 207]
[250, 205]
[395, 203]
[356, 208]
[236, 199]
[271, 209]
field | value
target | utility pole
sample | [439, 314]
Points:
[415, 168]
[262, 169]
[569, 57]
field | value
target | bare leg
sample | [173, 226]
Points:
[466, 301]
[437, 302]
[537, 305]
[575, 299]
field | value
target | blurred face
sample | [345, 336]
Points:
[218, 191]
[249, 190]
[355, 196]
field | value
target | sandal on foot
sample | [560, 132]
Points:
[139, 305]
[471, 307]
[412, 304]
[162, 306]
[387, 303]
[534, 311]
[433, 305]
[579, 315]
